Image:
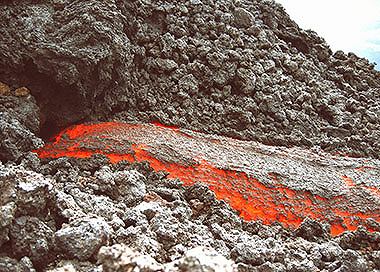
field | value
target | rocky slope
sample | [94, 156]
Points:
[59, 218]
[241, 69]
[237, 68]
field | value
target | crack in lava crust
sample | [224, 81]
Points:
[272, 184]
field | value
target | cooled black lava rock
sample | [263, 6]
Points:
[312, 230]
[242, 69]
[19, 125]
[72, 55]
[31, 237]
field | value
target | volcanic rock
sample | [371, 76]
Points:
[23, 193]
[4, 89]
[19, 124]
[10, 265]
[29, 236]
[83, 237]
[74, 266]
[7, 214]
[129, 184]
[162, 229]
[67, 53]
[204, 259]
[122, 258]
[243, 17]
[127, 195]
[312, 231]
[200, 65]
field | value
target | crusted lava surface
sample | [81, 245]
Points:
[271, 184]
[207, 192]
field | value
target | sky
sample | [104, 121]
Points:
[348, 25]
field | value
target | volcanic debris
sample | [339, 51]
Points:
[237, 68]
[241, 69]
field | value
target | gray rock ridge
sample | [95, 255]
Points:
[60, 49]
[236, 68]
[19, 126]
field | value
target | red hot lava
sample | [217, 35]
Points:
[237, 171]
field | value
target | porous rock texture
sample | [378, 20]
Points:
[19, 124]
[242, 69]
[62, 217]
[237, 68]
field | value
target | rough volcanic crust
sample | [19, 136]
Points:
[85, 215]
[19, 126]
[238, 68]
[272, 184]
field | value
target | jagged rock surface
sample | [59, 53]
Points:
[238, 68]
[160, 232]
[19, 125]
[273, 184]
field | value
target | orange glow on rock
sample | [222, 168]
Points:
[363, 168]
[374, 190]
[349, 182]
[253, 199]
[158, 124]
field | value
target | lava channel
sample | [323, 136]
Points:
[270, 184]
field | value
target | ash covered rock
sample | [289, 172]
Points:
[82, 238]
[29, 236]
[82, 228]
[121, 258]
[26, 226]
[10, 265]
[204, 259]
[75, 266]
[127, 185]
[24, 193]
[237, 68]
[19, 125]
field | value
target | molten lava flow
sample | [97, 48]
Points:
[193, 159]
[158, 124]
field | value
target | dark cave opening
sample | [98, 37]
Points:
[61, 105]
[48, 130]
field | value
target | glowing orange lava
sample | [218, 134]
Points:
[158, 124]
[249, 196]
